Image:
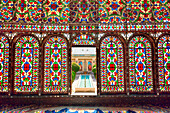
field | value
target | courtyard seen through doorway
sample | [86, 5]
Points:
[84, 75]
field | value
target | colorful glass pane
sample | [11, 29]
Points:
[164, 63]
[112, 65]
[112, 11]
[161, 10]
[84, 10]
[56, 11]
[55, 63]
[28, 11]
[26, 65]
[6, 10]
[140, 65]
[83, 40]
[4, 63]
[55, 74]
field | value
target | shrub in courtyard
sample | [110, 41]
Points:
[94, 70]
[75, 67]
[73, 76]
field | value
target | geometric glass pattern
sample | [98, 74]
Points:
[112, 11]
[140, 65]
[112, 65]
[56, 11]
[83, 40]
[4, 63]
[26, 65]
[83, 11]
[89, 65]
[80, 64]
[6, 10]
[164, 63]
[55, 65]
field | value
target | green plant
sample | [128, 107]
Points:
[94, 70]
[73, 76]
[75, 67]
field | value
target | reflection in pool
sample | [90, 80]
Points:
[85, 81]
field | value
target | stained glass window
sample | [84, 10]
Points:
[112, 11]
[26, 65]
[56, 11]
[89, 65]
[80, 64]
[4, 63]
[84, 11]
[164, 63]
[55, 64]
[112, 65]
[140, 65]
[83, 40]
[6, 10]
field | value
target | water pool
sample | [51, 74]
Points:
[85, 81]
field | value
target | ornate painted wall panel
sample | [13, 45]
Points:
[26, 65]
[112, 65]
[83, 40]
[140, 65]
[164, 63]
[55, 65]
[4, 63]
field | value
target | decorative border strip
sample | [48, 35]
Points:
[102, 27]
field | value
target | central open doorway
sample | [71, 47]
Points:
[84, 75]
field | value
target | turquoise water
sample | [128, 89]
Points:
[85, 81]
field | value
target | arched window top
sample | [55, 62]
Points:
[141, 40]
[139, 45]
[164, 42]
[56, 42]
[83, 40]
[111, 41]
[28, 41]
[55, 46]
[4, 42]
[111, 45]
[27, 45]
